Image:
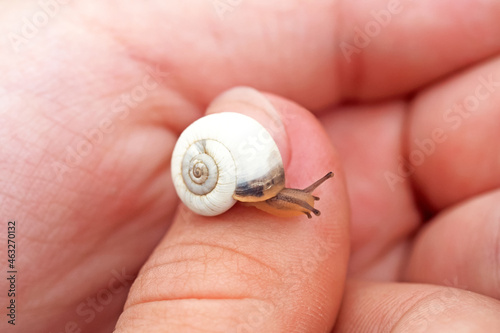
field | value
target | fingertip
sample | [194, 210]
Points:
[312, 156]
[295, 264]
[406, 307]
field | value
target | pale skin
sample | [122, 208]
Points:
[383, 255]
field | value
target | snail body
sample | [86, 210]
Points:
[227, 157]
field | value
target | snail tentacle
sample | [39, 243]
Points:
[292, 202]
[317, 183]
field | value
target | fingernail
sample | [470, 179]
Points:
[252, 103]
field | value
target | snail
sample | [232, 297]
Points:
[227, 157]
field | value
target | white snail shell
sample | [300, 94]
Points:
[225, 157]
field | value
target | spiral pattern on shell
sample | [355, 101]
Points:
[223, 157]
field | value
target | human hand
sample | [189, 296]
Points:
[94, 100]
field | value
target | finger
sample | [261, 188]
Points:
[391, 47]
[460, 247]
[245, 269]
[453, 135]
[81, 171]
[369, 141]
[316, 54]
[396, 307]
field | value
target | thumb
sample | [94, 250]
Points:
[246, 270]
